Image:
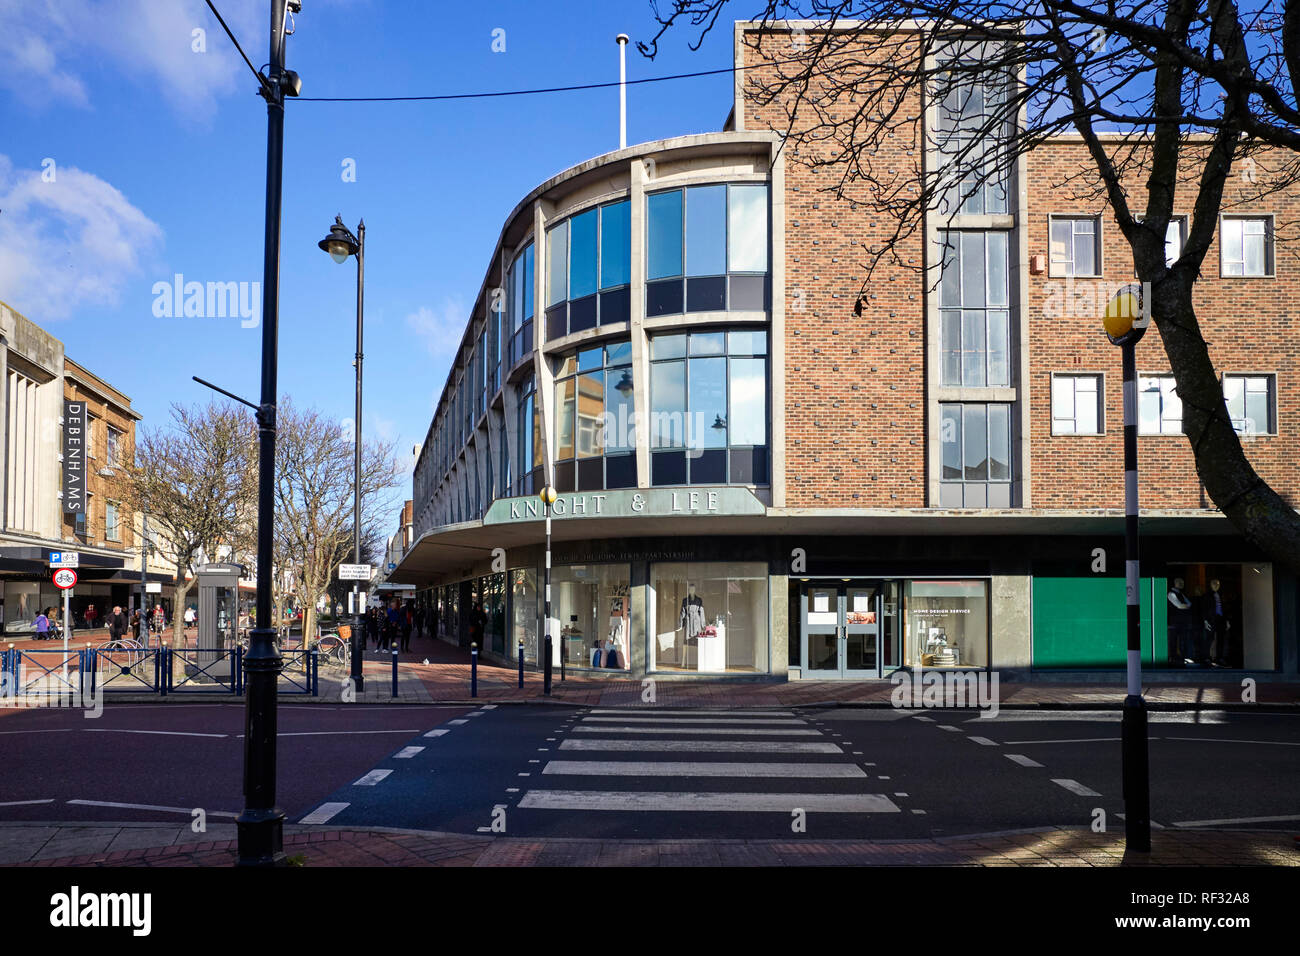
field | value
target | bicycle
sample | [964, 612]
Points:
[334, 651]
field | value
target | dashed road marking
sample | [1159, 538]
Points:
[188, 811]
[372, 778]
[437, 733]
[1023, 760]
[324, 813]
[1075, 787]
[406, 753]
[983, 741]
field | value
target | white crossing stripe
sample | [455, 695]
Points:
[656, 712]
[372, 778]
[749, 721]
[1023, 760]
[325, 812]
[764, 731]
[686, 768]
[488, 707]
[457, 723]
[983, 741]
[437, 733]
[188, 811]
[406, 753]
[1075, 787]
[708, 746]
[624, 801]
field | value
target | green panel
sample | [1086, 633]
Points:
[1081, 621]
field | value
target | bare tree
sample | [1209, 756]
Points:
[196, 480]
[1197, 89]
[314, 499]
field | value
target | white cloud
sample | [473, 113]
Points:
[440, 330]
[70, 242]
[48, 45]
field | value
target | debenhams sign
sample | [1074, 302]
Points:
[647, 502]
[74, 457]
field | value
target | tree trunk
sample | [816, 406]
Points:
[1264, 518]
[308, 621]
[183, 586]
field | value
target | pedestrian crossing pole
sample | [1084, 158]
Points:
[548, 499]
[1125, 322]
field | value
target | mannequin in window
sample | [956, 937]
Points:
[691, 620]
[1182, 627]
[1217, 625]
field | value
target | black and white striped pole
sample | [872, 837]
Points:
[548, 498]
[1125, 322]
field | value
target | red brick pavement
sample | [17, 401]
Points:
[1046, 847]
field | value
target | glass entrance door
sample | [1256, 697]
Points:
[841, 629]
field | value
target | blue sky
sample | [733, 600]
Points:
[158, 163]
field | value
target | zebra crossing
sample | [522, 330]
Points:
[615, 766]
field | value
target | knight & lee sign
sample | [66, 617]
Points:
[653, 502]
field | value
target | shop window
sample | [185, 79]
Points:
[1077, 404]
[1246, 246]
[706, 249]
[591, 607]
[1074, 246]
[595, 441]
[1160, 410]
[946, 623]
[710, 617]
[974, 309]
[1252, 403]
[708, 408]
[975, 447]
[588, 270]
[1220, 615]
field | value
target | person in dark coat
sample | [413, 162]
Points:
[116, 624]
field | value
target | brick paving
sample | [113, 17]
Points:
[1055, 846]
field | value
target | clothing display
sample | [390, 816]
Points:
[1185, 643]
[692, 617]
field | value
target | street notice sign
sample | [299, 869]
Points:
[153, 587]
[65, 578]
[355, 572]
[65, 559]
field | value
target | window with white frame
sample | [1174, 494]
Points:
[114, 445]
[974, 310]
[1160, 410]
[1074, 246]
[1251, 403]
[111, 530]
[1246, 246]
[1175, 236]
[1077, 405]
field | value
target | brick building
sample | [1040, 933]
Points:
[46, 397]
[761, 475]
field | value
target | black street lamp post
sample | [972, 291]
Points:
[340, 244]
[1125, 324]
[261, 825]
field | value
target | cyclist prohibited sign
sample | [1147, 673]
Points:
[65, 578]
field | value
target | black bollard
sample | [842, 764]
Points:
[521, 663]
[473, 670]
[394, 647]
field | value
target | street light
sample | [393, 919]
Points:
[340, 244]
[1125, 323]
[548, 497]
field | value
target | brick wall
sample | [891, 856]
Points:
[1250, 324]
[855, 398]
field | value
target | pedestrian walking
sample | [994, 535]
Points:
[116, 624]
[407, 621]
[159, 619]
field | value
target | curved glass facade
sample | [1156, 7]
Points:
[595, 443]
[589, 269]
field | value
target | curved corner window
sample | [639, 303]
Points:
[529, 447]
[589, 266]
[519, 293]
[707, 249]
[595, 445]
[708, 408]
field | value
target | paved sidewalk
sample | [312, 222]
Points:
[109, 845]
[434, 671]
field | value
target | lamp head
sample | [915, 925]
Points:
[340, 242]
